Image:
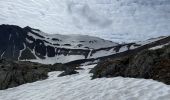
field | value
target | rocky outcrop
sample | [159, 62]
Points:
[68, 71]
[15, 73]
[32, 44]
[148, 64]
[24, 43]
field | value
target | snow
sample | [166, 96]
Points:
[133, 47]
[58, 59]
[2, 54]
[159, 46]
[9, 36]
[81, 87]
[103, 53]
[116, 20]
[90, 53]
[29, 41]
[150, 40]
[20, 53]
[87, 42]
[124, 48]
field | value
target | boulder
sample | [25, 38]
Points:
[68, 71]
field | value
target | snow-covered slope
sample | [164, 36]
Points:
[72, 41]
[34, 45]
[116, 20]
[81, 87]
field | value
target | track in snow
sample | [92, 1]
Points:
[80, 87]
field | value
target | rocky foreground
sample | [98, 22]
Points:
[81, 87]
[149, 64]
[15, 73]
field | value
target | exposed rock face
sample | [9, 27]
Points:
[15, 73]
[148, 64]
[11, 37]
[23, 43]
[31, 44]
[26, 43]
[68, 71]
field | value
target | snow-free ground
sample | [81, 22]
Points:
[81, 87]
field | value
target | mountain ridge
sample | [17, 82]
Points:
[116, 20]
[29, 44]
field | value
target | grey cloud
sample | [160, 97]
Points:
[86, 13]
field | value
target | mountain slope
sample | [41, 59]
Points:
[81, 87]
[27, 44]
[116, 20]
[34, 45]
[152, 63]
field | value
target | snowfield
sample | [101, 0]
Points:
[159, 46]
[116, 20]
[81, 87]
[73, 41]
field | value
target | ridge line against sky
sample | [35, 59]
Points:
[116, 20]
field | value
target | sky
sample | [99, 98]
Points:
[116, 20]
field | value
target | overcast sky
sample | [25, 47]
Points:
[116, 20]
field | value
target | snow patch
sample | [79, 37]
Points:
[73, 41]
[81, 87]
[124, 48]
[20, 54]
[29, 41]
[58, 59]
[103, 53]
[9, 36]
[158, 47]
[2, 54]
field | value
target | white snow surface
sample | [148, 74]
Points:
[116, 20]
[70, 42]
[158, 47]
[81, 87]
[73, 41]
[87, 43]
[103, 53]
[150, 40]
[58, 59]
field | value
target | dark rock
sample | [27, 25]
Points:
[67, 44]
[40, 47]
[68, 68]
[148, 64]
[14, 39]
[68, 71]
[30, 29]
[14, 73]
[26, 54]
[55, 39]
[50, 51]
